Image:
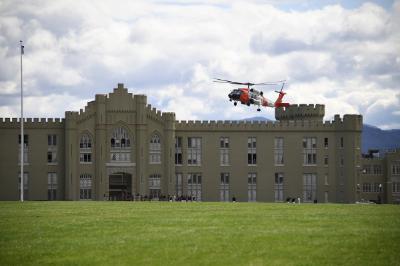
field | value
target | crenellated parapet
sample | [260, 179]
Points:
[300, 112]
[166, 118]
[120, 100]
[88, 112]
[347, 123]
[169, 120]
[153, 113]
[32, 123]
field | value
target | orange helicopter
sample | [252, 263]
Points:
[250, 96]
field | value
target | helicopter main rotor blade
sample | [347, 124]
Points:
[248, 84]
[221, 80]
[271, 83]
[232, 82]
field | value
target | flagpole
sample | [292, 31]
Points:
[22, 130]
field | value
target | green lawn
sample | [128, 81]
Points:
[164, 233]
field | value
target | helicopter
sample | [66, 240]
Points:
[250, 95]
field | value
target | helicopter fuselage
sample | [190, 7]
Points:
[250, 96]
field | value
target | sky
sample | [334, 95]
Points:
[344, 54]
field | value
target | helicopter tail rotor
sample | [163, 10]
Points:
[281, 91]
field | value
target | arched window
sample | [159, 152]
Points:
[85, 149]
[120, 138]
[120, 146]
[155, 149]
[85, 187]
[85, 142]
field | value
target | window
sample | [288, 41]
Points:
[85, 149]
[377, 169]
[85, 157]
[194, 186]
[51, 156]
[26, 140]
[341, 142]
[52, 140]
[309, 187]
[51, 186]
[26, 182]
[120, 138]
[26, 144]
[396, 169]
[396, 187]
[309, 151]
[251, 151]
[278, 187]
[194, 151]
[371, 187]
[366, 169]
[341, 160]
[120, 146]
[178, 151]
[367, 187]
[179, 186]
[326, 160]
[51, 149]
[326, 180]
[155, 150]
[85, 185]
[85, 142]
[326, 143]
[278, 151]
[155, 186]
[224, 151]
[252, 186]
[224, 187]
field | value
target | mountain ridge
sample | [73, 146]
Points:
[372, 137]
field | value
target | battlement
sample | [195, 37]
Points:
[159, 116]
[300, 112]
[32, 122]
[348, 123]
[153, 113]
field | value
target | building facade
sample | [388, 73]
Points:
[118, 147]
[380, 178]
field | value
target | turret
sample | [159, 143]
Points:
[300, 112]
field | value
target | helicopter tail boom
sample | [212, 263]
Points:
[278, 102]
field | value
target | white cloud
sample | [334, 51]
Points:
[347, 59]
[42, 106]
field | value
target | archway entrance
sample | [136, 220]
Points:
[120, 186]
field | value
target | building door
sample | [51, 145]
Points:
[120, 186]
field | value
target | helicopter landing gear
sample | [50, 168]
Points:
[258, 109]
[235, 103]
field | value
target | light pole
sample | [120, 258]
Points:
[22, 131]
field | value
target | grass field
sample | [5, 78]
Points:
[164, 233]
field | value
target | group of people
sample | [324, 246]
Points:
[296, 200]
[127, 196]
[293, 200]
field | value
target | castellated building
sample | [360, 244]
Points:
[119, 148]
